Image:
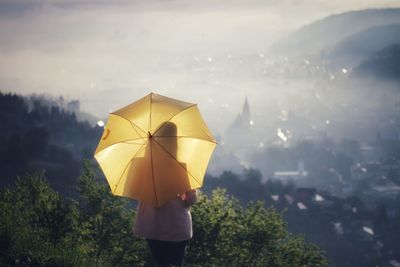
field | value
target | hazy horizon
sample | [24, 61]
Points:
[109, 54]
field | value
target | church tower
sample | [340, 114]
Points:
[240, 135]
[242, 121]
[246, 111]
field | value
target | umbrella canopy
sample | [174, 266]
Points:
[154, 149]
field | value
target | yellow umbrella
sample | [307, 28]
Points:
[154, 149]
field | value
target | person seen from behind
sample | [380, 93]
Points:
[167, 228]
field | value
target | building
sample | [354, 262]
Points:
[292, 174]
[240, 138]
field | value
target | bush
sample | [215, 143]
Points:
[226, 234]
[35, 224]
[41, 228]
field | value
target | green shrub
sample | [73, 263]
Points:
[39, 227]
[226, 234]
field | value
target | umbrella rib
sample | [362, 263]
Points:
[177, 161]
[133, 158]
[193, 105]
[151, 151]
[149, 125]
[123, 141]
[129, 141]
[152, 173]
[131, 124]
[202, 139]
[171, 118]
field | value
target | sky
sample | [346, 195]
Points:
[109, 53]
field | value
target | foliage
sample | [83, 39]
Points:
[104, 225]
[37, 135]
[35, 225]
[41, 228]
[227, 234]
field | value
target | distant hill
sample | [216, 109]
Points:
[69, 106]
[325, 33]
[357, 47]
[41, 134]
[382, 65]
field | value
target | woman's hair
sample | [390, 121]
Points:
[168, 129]
[166, 136]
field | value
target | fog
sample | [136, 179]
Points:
[214, 53]
[302, 97]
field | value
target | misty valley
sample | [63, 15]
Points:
[306, 171]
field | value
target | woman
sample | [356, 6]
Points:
[167, 229]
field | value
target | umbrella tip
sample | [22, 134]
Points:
[150, 136]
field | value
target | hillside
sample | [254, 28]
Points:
[357, 47]
[40, 227]
[383, 65]
[38, 134]
[325, 33]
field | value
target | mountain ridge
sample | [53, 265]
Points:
[382, 65]
[353, 49]
[321, 34]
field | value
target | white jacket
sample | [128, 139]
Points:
[170, 222]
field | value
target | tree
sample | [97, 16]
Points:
[35, 223]
[39, 227]
[104, 224]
